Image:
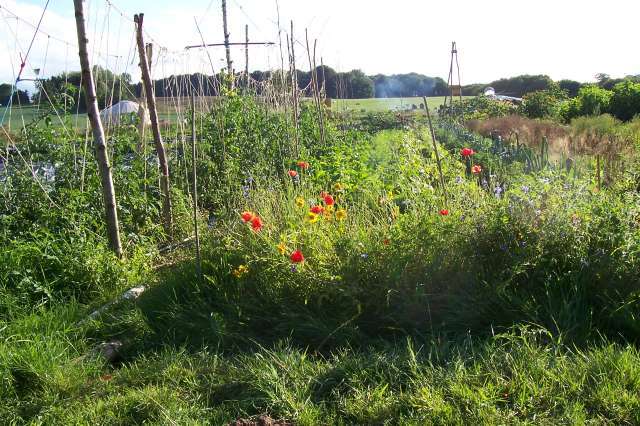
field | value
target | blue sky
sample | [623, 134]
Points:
[496, 38]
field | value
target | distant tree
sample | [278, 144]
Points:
[408, 85]
[625, 101]
[358, 85]
[520, 85]
[329, 77]
[570, 86]
[110, 87]
[20, 97]
[474, 89]
[440, 87]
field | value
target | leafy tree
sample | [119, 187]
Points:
[543, 103]
[358, 85]
[520, 85]
[570, 86]
[20, 97]
[110, 87]
[329, 77]
[591, 101]
[625, 102]
[408, 85]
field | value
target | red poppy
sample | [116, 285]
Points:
[476, 170]
[303, 165]
[317, 209]
[247, 216]
[467, 152]
[297, 256]
[444, 212]
[256, 223]
[293, 173]
[328, 200]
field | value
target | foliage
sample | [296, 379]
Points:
[571, 87]
[20, 97]
[625, 102]
[591, 100]
[542, 103]
[521, 85]
[478, 108]
[110, 88]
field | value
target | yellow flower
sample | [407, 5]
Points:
[338, 187]
[282, 248]
[328, 214]
[299, 202]
[341, 214]
[240, 271]
[312, 217]
[328, 208]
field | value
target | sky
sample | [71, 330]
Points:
[572, 39]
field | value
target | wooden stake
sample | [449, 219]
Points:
[195, 186]
[226, 43]
[314, 85]
[246, 55]
[155, 127]
[435, 149]
[108, 191]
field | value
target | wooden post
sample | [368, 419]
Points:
[435, 149]
[226, 43]
[598, 178]
[108, 191]
[246, 55]
[155, 127]
[195, 186]
[314, 85]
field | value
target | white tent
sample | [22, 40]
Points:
[111, 116]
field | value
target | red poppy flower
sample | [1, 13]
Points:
[303, 165]
[293, 173]
[328, 200]
[297, 256]
[476, 170]
[247, 216]
[467, 152]
[444, 212]
[317, 209]
[256, 223]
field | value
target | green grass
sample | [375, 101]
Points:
[385, 104]
[524, 376]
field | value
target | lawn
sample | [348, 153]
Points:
[385, 104]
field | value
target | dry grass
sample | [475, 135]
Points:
[524, 130]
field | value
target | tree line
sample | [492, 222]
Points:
[65, 89]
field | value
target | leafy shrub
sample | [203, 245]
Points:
[625, 102]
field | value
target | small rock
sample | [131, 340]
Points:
[109, 350]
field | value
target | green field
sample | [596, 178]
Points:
[385, 104]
